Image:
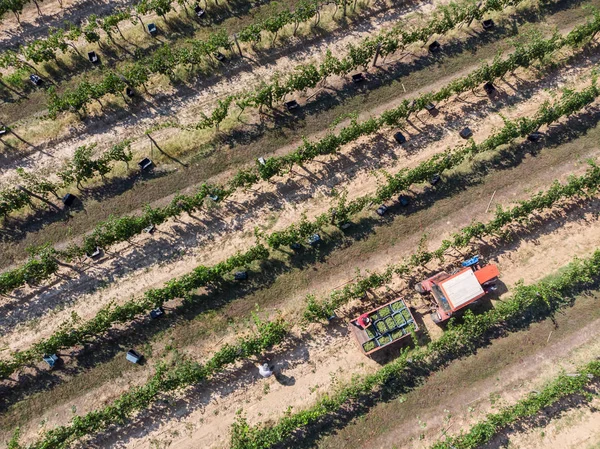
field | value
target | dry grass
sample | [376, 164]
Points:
[279, 285]
[448, 385]
[211, 158]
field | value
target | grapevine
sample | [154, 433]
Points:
[180, 288]
[559, 388]
[527, 303]
[116, 230]
[168, 378]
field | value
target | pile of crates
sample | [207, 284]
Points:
[390, 323]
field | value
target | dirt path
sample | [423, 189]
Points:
[462, 395]
[183, 244]
[320, 362]
[575, 429]
[34, 26]
[281, 150]
[185, 108]
[208, 423]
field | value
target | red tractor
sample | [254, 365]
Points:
[453, 292]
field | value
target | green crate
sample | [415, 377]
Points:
[397, 306]
[384, 340]
[399, 319]
[369, 345]
[381, 327]
[406, 315]
[390, 323]
[384, 312]
[397, 334]
[371, 333]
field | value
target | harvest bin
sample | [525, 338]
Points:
[394, 314]
[93, 57]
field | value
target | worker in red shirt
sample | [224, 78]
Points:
[364, 321]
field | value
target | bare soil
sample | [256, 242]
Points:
[318, 358]
[574, 429]
[124, 203]
[335, 348]
[131, 270]
[184, 104]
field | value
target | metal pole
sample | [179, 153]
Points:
[376, 54]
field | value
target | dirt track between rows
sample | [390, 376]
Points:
[34, 26]
[530, 259]
[317, 359]
[184, 243]
[185, 104]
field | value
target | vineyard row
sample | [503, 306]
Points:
[186, 374]
[80, 168]
[163, 60]
[584, 186]
[306, 76]
[167, 378]
[527, 304]
[42, 264]
[69, 336]
[563, 386]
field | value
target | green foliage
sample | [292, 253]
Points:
[581, 186]
[80, 168]
[72, 334]
[306, 76]
[168, 378]
[120, 229]
[528, 303]
[559, 388]
[41, 264]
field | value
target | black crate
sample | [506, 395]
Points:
[358, 78]
[68, 199]
[314, 239]
[157, 313]
[535, 136]
[133, 356]
[240, 275]
[489, 88]
[465, 133]
[36, 80]
[435, 47]
[93, 57]
[403, 200]
[488, 24]
[399, 137]
[291, 105]
[145, 164]
[95, 254]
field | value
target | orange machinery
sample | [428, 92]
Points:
[453, 292]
